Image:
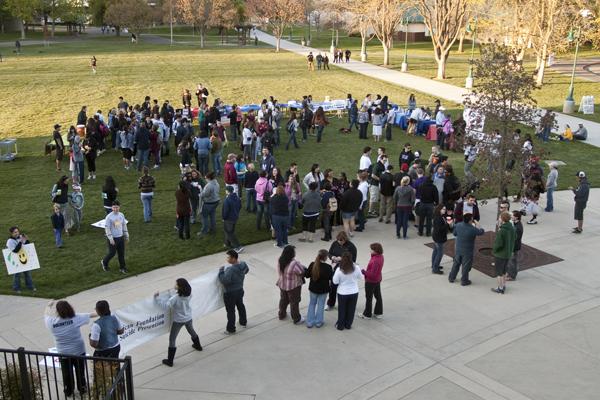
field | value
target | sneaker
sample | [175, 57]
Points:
[363, 316]
[310, 240]
[437, 272]
[299, 322]
[239, 250]
[498, 290]
[227, 333]
[532, 222]
[465, 283]
[105, 268]
[123, 270]
[378, 316]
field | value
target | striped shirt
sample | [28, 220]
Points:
[291, 277]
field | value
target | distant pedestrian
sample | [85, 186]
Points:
[348, 53]
[116, 235]
[232, 206]
[93, 63]
[179, 306]
[18, 46]
[183, 210]
[232, 277]
[146, 185]
[551, 185]
[58, 225]
[513, 264]
[310, 59]
[60, 146]
[582, 194]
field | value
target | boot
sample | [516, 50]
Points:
[196, 344]
[171, 355]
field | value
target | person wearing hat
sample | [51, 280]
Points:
[231, 213]
[581, 133]
[115, 227]
[582, 194]
[60, 146]
[551, 184]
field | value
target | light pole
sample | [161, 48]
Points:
[404, 67]
[308, 42]
[332, 48]
[569, 104]
[171, 20]
[469, 80]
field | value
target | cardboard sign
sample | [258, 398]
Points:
[25, 260]
[587, 105]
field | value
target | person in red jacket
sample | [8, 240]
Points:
[230, 176]
[373, 283]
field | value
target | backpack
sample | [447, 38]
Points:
[266, 193]
[332, 205]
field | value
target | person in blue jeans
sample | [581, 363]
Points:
[320, 274]
[210, 201]
[146, 184]
[404, 199]
[203, 146]
[58, 225]
[15, 244]
[551, 184]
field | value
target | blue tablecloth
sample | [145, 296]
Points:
[423, 126]
[401, 121]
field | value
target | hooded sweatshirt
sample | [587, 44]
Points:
[232, 277]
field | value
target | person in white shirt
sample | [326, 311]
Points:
[365, 159]
[64, 324]
[247, 142]
[346, 278]
[363, 186]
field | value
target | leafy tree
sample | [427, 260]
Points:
[133, 14]
[97, 9]
[276, 14]
[196, 12]
[24, 11]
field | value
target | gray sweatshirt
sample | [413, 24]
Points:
[552, 180]
[210, 193]
[232, 277]
[312, 202]
[182, 312]
[115, 226]
[404, 196]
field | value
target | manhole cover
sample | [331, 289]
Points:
[529, 257]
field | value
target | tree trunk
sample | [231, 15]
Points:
[201, 37]
[542, 67]
[363, 46]
[53, 28]
[277, 44]
[22, 30]
[461, 40]
[441, 62]
[386, 53]
[118, 29]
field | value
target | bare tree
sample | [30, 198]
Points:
[503, 100]
[445, 20]
[276, 14]
[384, 17]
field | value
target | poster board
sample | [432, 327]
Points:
[25, 260]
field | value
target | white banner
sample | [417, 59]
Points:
[25, 260]
[145, 319]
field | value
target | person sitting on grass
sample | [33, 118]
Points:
[567, 135]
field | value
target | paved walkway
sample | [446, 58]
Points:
[434, 88]
[586, 68]
[436, 341]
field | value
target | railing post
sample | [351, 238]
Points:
[129, 378]
[25, 384]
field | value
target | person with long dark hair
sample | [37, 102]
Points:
[346, 277]
[441, 227]
[341, 245]
[64, 324]
[60, 193]
[109, 193]
[320, 122]
[291, 273]
[179, 305]
[104, 336]
[320, 274]
[373, 283]
[183, 211]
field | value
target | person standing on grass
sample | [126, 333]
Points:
[466, 232]
[353, 114]
[109, 194]
[116, 235]
[250, 179]
[551, 185]
[404, 200]
[232, 277]
[582, 194]
[341, 245]
[230, 176]
[127, 139]
[292, 129]
[179, 305]
[280, 216]
[183, 210]
[441, 227]
[60, 146]
[378, 119]
[291, 275]
[58, 225]
[104, 336]
[146, 185]
[64, 324]
[78, 174]
[374, 184]
[231, 213]
[386, 191]
[263, 189]
[311, 201]
[320, 274]
[320, 122]
[210, 200]
[373, 283]
[93, 63]
[74, 212]
[346, 278]
[60, 193]
[363, 122]
[513, 265]
[15, 242]
[503, 250]
[310, 59]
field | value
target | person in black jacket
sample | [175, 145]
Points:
[280, 216]
[58, 224]
[451, 191]
[82, 116]
[406, 156]
[60, 193]
[109, 193]
[467, 206]
[441, 227]
[513, 266]
[429, 199]
[386, 192]
[341, 245]
[320, 274]
[350, 204]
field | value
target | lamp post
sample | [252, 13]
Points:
[308, 41]
[404, 67]
[469, 80]
[171, 19]
[569, 104]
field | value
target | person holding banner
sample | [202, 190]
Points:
[14, 244]
[179, 305]
[232, 278]
[104, 336]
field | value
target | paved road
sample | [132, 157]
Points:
[424, 85]
[437, 340]
[586, 68]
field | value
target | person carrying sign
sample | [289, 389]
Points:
[14, 243]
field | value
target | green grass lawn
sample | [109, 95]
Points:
[421, 62]
[48, 85]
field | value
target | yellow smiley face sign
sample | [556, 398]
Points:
[22, 256]
[23, 260]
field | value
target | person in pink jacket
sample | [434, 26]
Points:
[373, 283]
[264, 190]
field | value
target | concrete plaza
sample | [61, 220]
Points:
[437, 340]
